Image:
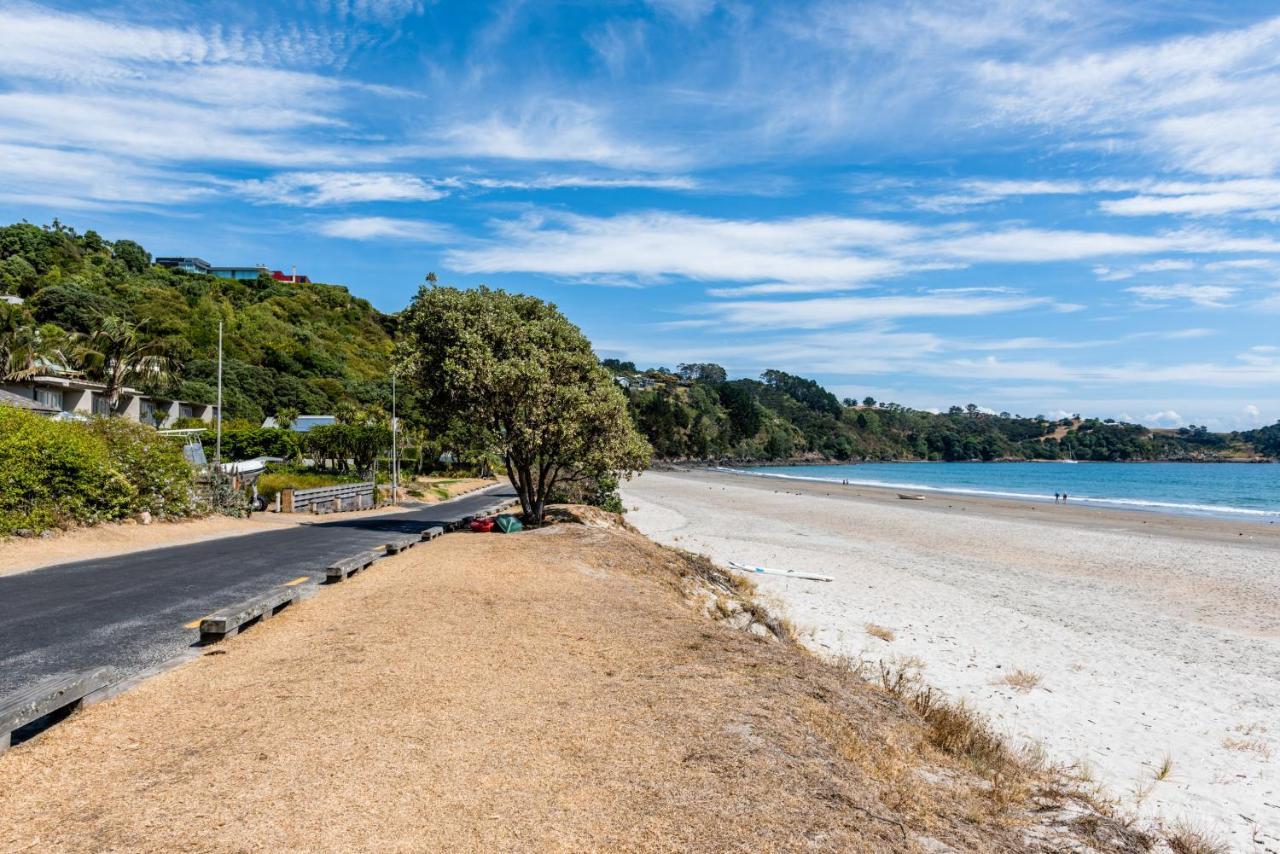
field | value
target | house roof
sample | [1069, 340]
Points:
[8, 398]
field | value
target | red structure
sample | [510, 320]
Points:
[285, 277]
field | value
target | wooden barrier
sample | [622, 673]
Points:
[23, 707]
[399, 544]
[329, 499]
[233, 620]
[340, 569]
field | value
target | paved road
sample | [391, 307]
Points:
[129, 612]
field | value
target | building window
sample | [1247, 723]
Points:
[50, 397]
[101, 406]
[147, 411]
[186, 411]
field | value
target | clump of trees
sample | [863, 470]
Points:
[695, 412]
[510, 374]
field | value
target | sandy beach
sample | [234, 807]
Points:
[1135, 637]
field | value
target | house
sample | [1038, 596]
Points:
[69, 396]
[187, 265]
[8, 398]
[240, 272]
[304, 423]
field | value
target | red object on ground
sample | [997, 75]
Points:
[482, 525]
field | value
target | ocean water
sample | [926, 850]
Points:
[1234, 490]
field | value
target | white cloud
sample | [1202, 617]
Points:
[1207, 103]
[834, 311]
[588, 182]
[1205, 296]
[386, 228]
[1199, 199]
[1164, 418]
[554, 130]
[312, 189]
[657, 246]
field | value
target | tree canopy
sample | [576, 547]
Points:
[514, 375]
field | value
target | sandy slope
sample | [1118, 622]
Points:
[1151, 636]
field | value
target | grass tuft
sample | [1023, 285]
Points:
[881, 632]
[1023, 680]
[1185, 838]
[1165, 768]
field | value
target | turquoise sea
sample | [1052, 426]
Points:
[1235, 490]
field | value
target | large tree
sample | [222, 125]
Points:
[515, 376]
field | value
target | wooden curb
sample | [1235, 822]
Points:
[340, 569]
[432, 533]
[237, 618]
[400, 544]
[22, 707]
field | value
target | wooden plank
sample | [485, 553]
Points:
[24, 706]
[432, 533]
[340, 569]
[399, 544]
[231, 620]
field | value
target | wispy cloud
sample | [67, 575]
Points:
[314, 189]
[1205, 296]
[386, 228]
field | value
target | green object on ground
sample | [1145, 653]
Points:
[508, 524]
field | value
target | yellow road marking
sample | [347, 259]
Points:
[299, 580]
[194, 624]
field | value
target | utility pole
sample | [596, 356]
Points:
[217, 451]
[395, 462]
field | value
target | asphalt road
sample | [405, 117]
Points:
[130, 612]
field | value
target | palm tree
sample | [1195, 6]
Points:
[116, 354]
[24, 349]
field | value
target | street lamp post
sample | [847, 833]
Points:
[395, 460]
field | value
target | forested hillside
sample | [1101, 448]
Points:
[310, 348]
[695, 412]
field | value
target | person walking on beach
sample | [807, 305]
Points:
[1064, 498]
[1056, 496]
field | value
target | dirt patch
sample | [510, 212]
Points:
[561, 689]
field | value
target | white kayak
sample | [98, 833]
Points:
[785, 573]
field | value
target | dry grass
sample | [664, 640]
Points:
[881, 632]
[1022, 680]
[1247, 744]
[1165, 768]
[548, 690]
[1185, 838]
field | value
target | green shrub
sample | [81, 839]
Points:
[63, 473]
[271, 483]
[55, 473]
[153, 464]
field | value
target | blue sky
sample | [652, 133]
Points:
[1035, 207]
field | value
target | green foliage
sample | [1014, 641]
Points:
[1265, 439]
[245, 443]
[334, 444]
[59, 473]
[308, 347]
[271, 483]
[153, 465]
[513, 375]
[789, 417]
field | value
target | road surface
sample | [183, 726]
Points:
[133, 612]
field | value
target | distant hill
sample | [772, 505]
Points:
[306, 347]
[695, 413]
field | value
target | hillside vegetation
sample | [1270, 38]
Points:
[696, 413]
[303, 347]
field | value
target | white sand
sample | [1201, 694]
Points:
[1151, 638]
